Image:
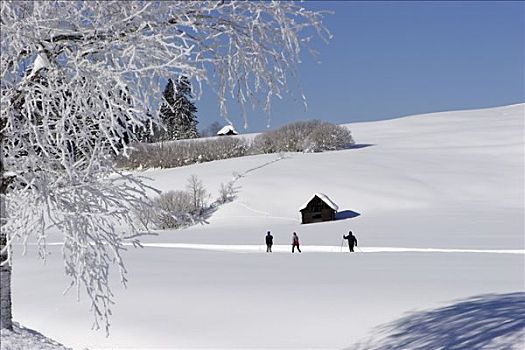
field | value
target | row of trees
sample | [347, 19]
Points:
[180, 153]
[302, 136]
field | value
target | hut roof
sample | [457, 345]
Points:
[324, 198]
[227, 129]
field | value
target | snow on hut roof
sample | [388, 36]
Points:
[324, 198]
[226, 129]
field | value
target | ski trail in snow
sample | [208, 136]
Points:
[279, 158]
[244, 205]
[264, 213]
[245, 173]
[286, 248]
[256, 248]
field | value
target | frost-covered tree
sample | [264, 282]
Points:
[178, 112]
[167, 115]
[173, 210]
[198, 194]
[226, 192]
[77, 80]
[327, 137]
[185, 110]
[304, 136]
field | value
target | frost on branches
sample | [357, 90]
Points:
[77, 80]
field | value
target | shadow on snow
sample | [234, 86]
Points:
[346, 214]
[360, 145]
[495, 321]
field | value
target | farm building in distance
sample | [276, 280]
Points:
[318, 208]
[227, 130]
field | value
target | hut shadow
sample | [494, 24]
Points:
[360, 145]
[494, 321]
[346, 214]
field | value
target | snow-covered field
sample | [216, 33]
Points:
[436, 201]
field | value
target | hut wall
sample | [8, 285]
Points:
[317, 211]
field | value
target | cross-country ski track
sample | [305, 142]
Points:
[283, 248]
[254, 248]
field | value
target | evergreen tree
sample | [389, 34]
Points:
[178, 111]
[145, 134]
[167, 114]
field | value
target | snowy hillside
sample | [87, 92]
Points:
[457, 175]
[436, 198]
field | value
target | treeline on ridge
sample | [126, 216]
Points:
[302, 136]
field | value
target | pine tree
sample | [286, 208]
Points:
[167, 114]
[145, 134]
[178, 111]
[186, 109]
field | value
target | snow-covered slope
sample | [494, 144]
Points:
[452, 181]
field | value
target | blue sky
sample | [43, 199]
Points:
[391, 59]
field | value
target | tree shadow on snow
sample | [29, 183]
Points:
[346, 214]
[495, 321]
[206, 214]
[212, 208]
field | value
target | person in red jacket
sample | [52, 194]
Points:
[295, 243]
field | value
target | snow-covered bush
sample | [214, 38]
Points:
[226, 192]
[179, 153]
[327, 137]
[174, 209]
[303, 136]
[263, 143]
[290, 137]
[198, 195]
[227, 147]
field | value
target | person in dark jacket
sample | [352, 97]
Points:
[269, 242]
[295, 243]
[352, 240]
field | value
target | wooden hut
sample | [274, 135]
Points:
[318, 208]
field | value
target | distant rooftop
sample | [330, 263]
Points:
[227, 130]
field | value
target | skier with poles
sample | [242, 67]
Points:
[352, 240]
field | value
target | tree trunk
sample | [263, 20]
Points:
[6, 321]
